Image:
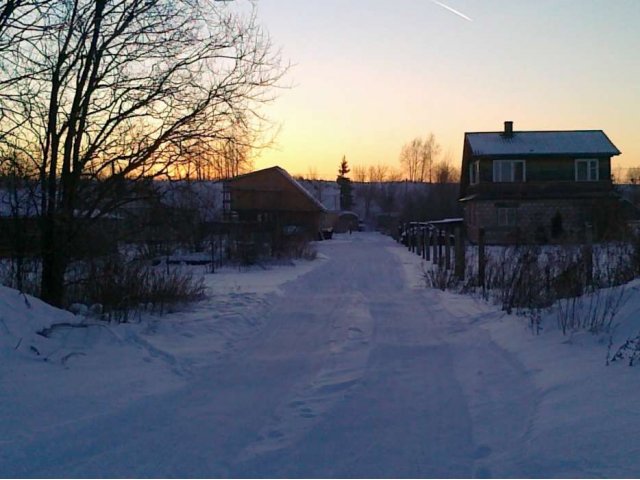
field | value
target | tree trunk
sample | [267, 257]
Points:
[54, 264]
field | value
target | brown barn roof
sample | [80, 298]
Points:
[281, 171]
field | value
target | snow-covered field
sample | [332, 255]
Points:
[345, 366]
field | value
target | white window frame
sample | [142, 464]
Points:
[474, 172]
[498, 171]
[507, 216]
[592, 169]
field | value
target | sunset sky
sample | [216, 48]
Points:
[370, 75]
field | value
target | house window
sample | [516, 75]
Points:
[506, 216]
[587, 170]
[474, 172]
[509, 171]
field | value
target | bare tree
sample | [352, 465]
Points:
[364, 190]
[633, 175]
[445, 172]
[410, 159]
[17, 13]
[312, 174]
[374, 189]
[430, 151]
[102, 94]
[359, 174]
[394, 175]
[418, 157]
[219, 158]
[18, 209]
[378, 173]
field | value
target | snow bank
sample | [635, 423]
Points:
[21, 317]
[575, 414]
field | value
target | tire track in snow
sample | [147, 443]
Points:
[349, 349]
[502, 418]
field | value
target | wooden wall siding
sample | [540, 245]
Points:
[557, 189]
[268, 190]
[259, 200]
[311, 221]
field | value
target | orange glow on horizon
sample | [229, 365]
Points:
[368, 78]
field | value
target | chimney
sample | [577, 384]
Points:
[508, 129]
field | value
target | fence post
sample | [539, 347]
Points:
[424, 244]
[427, 252]
[436, 259]
[213, 253]
[481, 257]
[439, 243]
[587, 254]
[459, 255]
[447, 250]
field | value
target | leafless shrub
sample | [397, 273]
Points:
[297, 247]
[532, 281]
[593, 306]
[594, 311]
[126, 288]
[436, 276]
[615, 264]
[517, 279]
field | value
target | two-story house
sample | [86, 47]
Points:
[536, 186]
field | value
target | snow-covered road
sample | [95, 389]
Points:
[350, 371]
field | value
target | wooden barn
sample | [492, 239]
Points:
[273, 201]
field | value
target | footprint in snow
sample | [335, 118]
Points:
[482, 451]
[307, 413]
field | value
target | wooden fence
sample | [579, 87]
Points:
[444, 245]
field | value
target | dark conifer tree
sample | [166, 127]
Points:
[346, 189]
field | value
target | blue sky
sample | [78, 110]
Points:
[370, 75]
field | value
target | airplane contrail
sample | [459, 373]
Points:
[452, 10]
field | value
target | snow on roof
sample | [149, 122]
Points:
[581, 142]
[301, 188]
